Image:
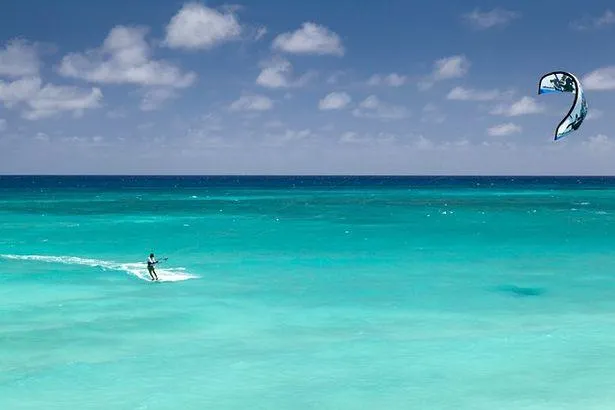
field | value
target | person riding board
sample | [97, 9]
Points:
[151, 262]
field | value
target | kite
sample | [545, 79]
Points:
[563, 82]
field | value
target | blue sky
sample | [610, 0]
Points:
[295, 87]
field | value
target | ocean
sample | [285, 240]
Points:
[307, 293]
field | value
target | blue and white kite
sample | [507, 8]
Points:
[564, 82]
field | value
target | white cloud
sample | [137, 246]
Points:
[451, 67]
[600, 144]
[52, 100]
[600, 79]
[275, 74]
[196, 26]
[351, 137]
[94, 141]
[391, 80]
[607, 18]
[19, 90]
[289, 136]
[278, 73]
[335, 77]
[252, 103]
[3, 125]
[156, 97]
[586, 23]
[526, 105]
[372, 107]
[124, 58]
[19, 59]
[49, 100]
[334, 101]
[446, 68]
[490, 19]
[260, 33]
[424, 143]
[594, 114]
[504, 129]
[466, 94]
[311, 38]
[41, 136]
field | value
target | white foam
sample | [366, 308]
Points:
[137, 269]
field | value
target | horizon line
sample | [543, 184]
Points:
[322, 175]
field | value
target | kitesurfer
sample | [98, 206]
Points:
[151, 262]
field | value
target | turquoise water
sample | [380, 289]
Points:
[307, 293]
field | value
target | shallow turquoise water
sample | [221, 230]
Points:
[351, 297]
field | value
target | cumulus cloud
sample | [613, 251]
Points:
[451, 67]
[489, 19]
[524, 106]
[124, 58]
[600, 79]
[467, 94]
[49, 100]
[311, 38]
[391, 80]
[586, 23]
[52, 100]
[278, 73]
[154, 99]
[504, 129]
[446, 68]
[19, 90]
[252, 103]
[196, 26]
[19, 58]
[334, 101]
[372, 107]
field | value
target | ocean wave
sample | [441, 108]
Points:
[137, 269]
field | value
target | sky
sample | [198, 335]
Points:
[296, 87]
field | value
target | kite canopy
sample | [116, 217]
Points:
[564, 82]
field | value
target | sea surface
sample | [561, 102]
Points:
[307, 293]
